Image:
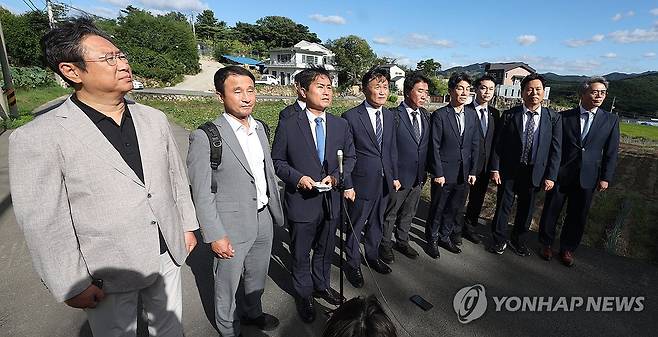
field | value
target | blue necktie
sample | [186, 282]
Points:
[319, 138]
[378, 128]
[588, 124]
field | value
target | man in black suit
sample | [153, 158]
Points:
[300, 104]
[454, 150]
[304, 154]
[374, 176]
[412, 131]
[488, 117]
[526, 157]
[590, 142]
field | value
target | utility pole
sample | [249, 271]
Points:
[8, 89]
[51, 18]
[613, 104]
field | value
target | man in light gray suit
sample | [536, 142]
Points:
[237, 219]
[101, 194]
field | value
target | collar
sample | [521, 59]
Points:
[95, 115]
[409, 109]
[584, 111]
[237, 126]
[370, 109]
[478, 107]
[301, 104]
[311, 117]
[537, 111]
[458, 112]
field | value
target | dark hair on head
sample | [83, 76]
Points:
[360, 317]
[411, 80]
[456, 78]
[374, 73]
[64, 43]
[308, 75]
[532, 77]
[584, 86]
[485, 77]
[222, 74]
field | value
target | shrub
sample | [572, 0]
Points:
[393, 98]
[31, 77]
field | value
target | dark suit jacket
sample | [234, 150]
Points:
[594, 159]
[294, 156]
[486, 140]
[370, 160]
[507, 154]
[291, 110]
[412, 155]
[448, 150]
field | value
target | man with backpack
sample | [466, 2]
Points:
[412, 129]
[237, 202]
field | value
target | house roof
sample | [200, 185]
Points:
[509, 66]
[298, 50]
[242, 60]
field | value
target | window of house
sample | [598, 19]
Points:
[273, 73]
[283, 58]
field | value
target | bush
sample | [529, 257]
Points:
[393, 98]
[31, 77]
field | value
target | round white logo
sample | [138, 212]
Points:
[470, 303]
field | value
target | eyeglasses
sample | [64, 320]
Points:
[111, 58]
[601, 92]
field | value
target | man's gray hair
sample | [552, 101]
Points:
[582, 88]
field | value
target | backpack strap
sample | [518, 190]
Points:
[215, 140]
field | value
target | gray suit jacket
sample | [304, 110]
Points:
[232, 210]
[84, 211]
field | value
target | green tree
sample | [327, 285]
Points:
[280, 31]
[22, 37]
[207, 26]
[428, 67]
[438, 86]
[353, 57]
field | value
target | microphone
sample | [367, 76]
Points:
[339, 155]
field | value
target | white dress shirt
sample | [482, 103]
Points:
[486, 115]
[253, 151]
[301, 105]
[460, 119]
[411, 116]
[535, 139]
[373, 117]
[311, 120]
[591, 113]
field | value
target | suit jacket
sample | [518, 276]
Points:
[232, 211]
[448, 150]
[507, 155]
[412, 154]
[294, 155]
[84, 211]
[586, 162]
[371, 161]
[487, 139]
[291, 110]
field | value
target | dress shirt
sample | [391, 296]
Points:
[253, 151]
[301, 104]
[373, 117]
[461, 119]
[486, 115]
[411, 116]
[311, 120]
[535, 138]
[592, 114]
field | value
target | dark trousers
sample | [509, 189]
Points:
[367, 216]
[469, 214]
[578, 202]
[444, 206]
[314, 273]
[521, 187]
[399, 215]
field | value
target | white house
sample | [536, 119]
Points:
[285, 63]
[397, 75]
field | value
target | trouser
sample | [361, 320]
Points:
[116, 314]
[520, 186]
[366, 216]
[240, 280]
[314, 273]
[579, 201]
[399, 215]
[446, 202]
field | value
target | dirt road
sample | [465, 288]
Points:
[202, 81]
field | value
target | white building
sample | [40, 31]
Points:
[285, 63]
[397, 75]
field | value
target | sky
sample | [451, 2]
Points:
[575, 37]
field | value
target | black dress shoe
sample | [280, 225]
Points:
[449, 246]
[330, 295]
[265, 322]
[406, 250]
[354, 276]
[518, 248]
[473, 237]
[498, 248]
[379, 266]
[386, 254]
[433, 250]
[306, 309]
[456, 240]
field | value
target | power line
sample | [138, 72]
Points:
[30, 5]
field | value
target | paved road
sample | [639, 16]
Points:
[27, 309]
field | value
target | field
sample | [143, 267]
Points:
[637, 131]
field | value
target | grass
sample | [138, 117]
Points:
[644, 132]
[29, 99]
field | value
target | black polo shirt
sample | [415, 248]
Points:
[124, 139]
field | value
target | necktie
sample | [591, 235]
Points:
[319, 138]
[415, 125]
[529, 137]
[588, 124]
[483, 120]
[460, 128]
[378, 128]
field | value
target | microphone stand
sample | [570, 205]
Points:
[341, 190]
